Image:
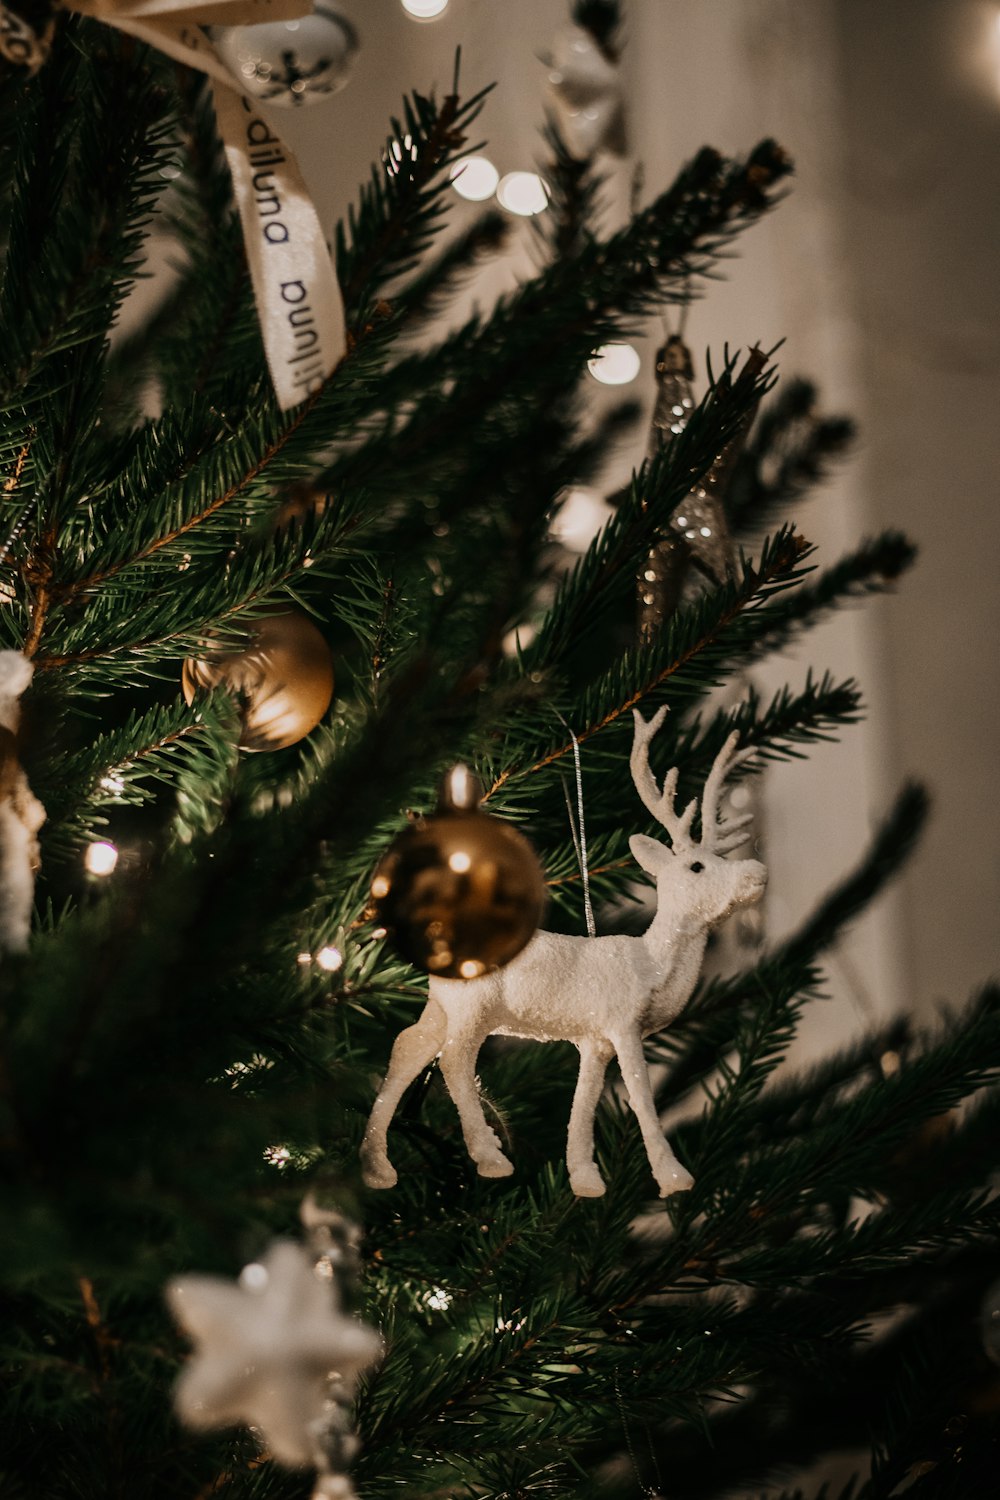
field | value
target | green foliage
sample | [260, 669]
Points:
[175, 1070]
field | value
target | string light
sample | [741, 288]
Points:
[615, 364]
[100, 858]
[425, 10]
[580, 517]
[475, 178]
[519, 639]
[330, 959]
[460, 861]
[522, 193]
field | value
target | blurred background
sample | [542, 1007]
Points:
[881, 272]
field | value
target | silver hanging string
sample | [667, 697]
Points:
[578, 829]
[650, 1491]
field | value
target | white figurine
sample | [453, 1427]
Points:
[603, 994]
[21, 813]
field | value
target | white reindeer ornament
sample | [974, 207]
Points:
[603, 994]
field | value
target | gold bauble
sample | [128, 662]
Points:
[461, 892]
[283, 679]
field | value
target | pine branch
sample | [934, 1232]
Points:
[872, 569]
[573, 188]
[699, 635]
[790, 451]
[554, 322]
[706, 1029]
[427, 291]
[401, 203]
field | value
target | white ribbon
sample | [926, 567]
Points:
[299, 301]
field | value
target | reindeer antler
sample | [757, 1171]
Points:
[715, 837]
[660, 804]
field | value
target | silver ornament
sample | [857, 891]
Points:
[586, 92]
[290, 63]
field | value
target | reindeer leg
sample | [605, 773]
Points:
[584, 1178]
[458, 1065]
[670, 1176]
[412, 1050]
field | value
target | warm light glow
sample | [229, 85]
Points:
[519, 639]
[460, 861]
[475, 178]
[304, 958]
[425, 10]
[330, 959]
[100, 858]
[614, 364]
[380, 886]
[522, 193]
[254, 1278]
[470, 968]
[580, 518]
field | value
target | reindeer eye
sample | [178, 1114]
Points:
[696, 868]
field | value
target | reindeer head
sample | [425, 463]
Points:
[693, 879]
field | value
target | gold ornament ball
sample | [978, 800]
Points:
[283, 677]
[460, 892]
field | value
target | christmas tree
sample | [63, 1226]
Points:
[195, 1032]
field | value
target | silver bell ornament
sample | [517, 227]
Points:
[290, 63]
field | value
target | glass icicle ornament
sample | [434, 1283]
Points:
[698, 533]
[461, 892]
[283, 679]
[662, 578]
[586, 92]
[290, 63]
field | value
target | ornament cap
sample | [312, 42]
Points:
[675, 358]
[461, 790]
